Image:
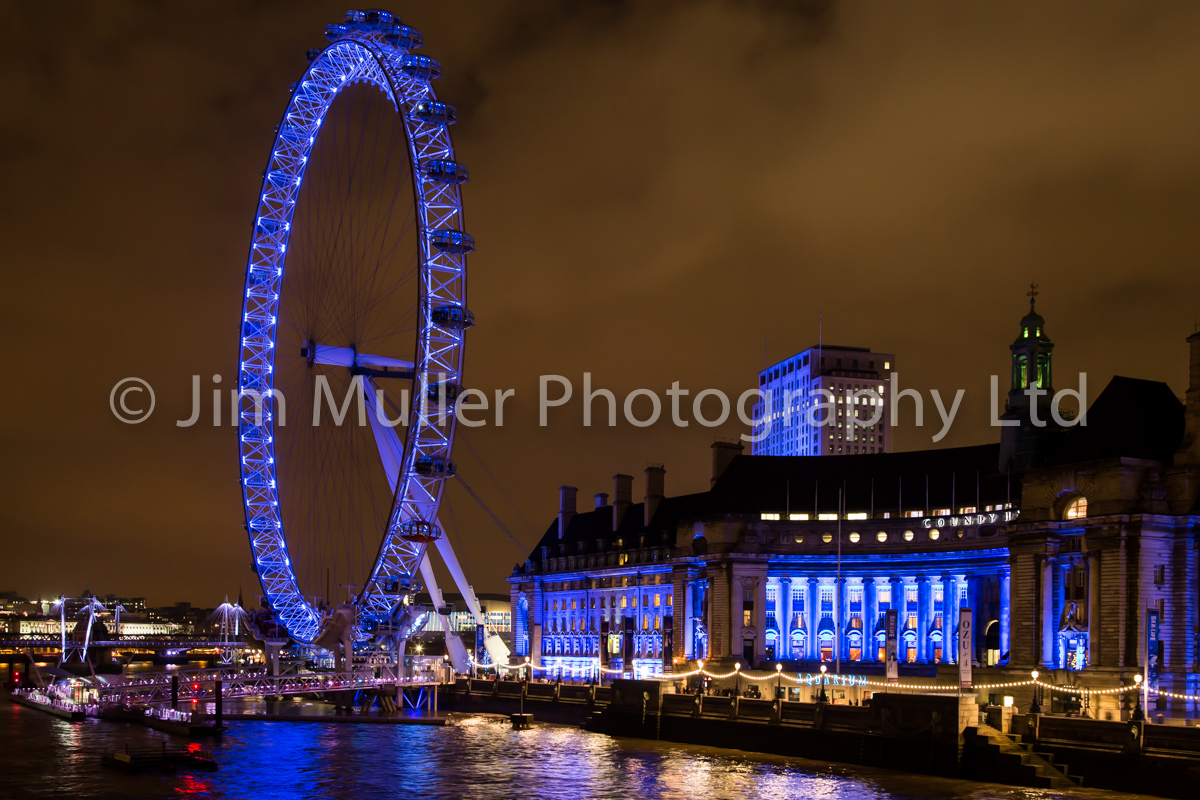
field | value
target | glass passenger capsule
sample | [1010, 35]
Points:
[418, 530]
[452, 317]
[435, 112]
[405, 37]
[429, 467]
[450, 241]
[451, 390]
[421, 67]
[449, 172]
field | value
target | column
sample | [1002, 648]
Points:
[737, 604]
[949, 618]
[839, 619]
[783, 615]
[759, 587]
[536, 607]
[1005, 610]
[924, 606]
[898, 605]
[813, 610]
[870, 618]
[975, 603]
[1093, 608]
[1047, 615]
[685, 621]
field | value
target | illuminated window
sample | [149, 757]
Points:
[1077, 508]
[827, 516]
[768, 517]
[798, 517]
[624, 601]
[934, 534]
[908, 536]
[747, 617]
[857, 515]
[826, 537]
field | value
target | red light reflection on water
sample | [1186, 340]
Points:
[190, 784]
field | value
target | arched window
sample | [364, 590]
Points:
[1076, 508]
[1021, 372]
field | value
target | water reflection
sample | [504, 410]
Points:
[477, 757]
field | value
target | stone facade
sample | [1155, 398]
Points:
[1060, 557]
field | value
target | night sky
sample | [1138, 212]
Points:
[660, 191]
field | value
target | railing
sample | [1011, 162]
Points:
[254, 685]
[53, 701]
[163, 678]
[165, 642]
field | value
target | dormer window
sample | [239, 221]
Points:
[1076, 509]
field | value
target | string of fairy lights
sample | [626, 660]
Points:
[829, 679]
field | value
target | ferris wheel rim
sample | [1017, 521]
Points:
[357, 54]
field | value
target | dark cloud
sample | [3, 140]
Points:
[661, 191]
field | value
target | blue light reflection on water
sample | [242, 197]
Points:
[475, 757]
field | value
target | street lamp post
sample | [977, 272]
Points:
[822, 698]
[737, 677]
[778, 679]
[525, 688]
[1035, 707]
[1139, 713]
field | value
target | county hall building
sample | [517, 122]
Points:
[1066, 542]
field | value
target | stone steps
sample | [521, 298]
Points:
[1031, 768]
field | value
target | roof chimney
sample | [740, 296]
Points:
[566, 508]
[1189, 451]
[655, 475]
[622, 497]
[723, 454]
[602, 500]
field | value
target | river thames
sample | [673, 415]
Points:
[476, 757]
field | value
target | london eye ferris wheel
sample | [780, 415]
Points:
[352, 335]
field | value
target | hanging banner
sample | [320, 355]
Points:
[890, 624]
[668, 643]
[1152, 645]
[966, 638]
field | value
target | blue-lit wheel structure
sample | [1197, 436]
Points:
[356, 277]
